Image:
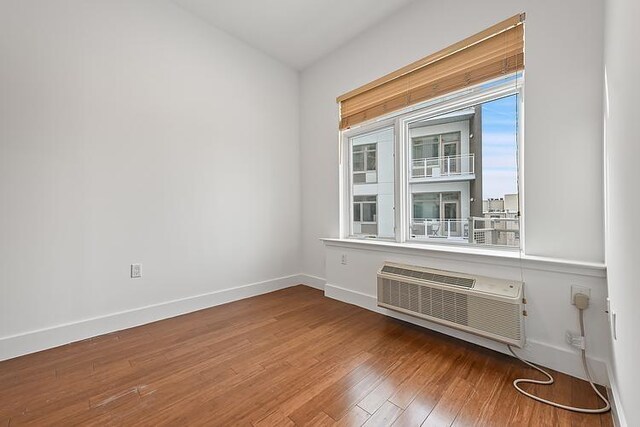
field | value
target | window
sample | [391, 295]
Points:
[437, 215]
[426, 159]
[436, 143]
[450, 177]
[365, 218]
[364, 163]
[372, 183]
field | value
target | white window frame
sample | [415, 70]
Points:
[346, 181]
[400, 122]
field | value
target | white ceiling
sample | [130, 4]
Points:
[297, 32]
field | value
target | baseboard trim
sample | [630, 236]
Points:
[559, 359]
[313, 281]
[619, 419]
[42, 339]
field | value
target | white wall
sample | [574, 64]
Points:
[623, 204]
[563, 155]
[563, 114]
[131, 131]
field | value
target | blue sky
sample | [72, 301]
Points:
[499, 153]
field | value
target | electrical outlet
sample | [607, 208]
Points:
[576, 289]
[343, 259]
[136, 271]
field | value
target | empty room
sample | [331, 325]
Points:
[319, 213]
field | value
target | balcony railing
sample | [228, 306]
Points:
[443, 167]
[457, 229]
[475, 230]
[496, 231]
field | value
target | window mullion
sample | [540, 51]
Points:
[401, 181]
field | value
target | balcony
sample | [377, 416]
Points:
[448, 168]
[452, 229]
[475, 230]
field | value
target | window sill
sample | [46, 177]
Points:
[499, 257]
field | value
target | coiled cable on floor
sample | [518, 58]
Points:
[550, 380]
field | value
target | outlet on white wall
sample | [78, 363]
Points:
[577, 289]
[343, 259]
[136, 271]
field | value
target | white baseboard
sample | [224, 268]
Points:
[42, 339]
[313, 281]
[559, 359]
[619, 419]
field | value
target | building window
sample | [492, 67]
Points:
[365, 217]
[426, 158]
[457, 166]
[364, 163]
[437, 215]
[372, 183]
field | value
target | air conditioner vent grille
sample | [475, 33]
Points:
[474, 313]
[464, 282]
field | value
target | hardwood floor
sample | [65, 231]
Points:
[291, 357]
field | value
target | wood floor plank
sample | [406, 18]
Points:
[450, 404]
[606, 420]
[487, 385]
[585, 397]
[384, 416]
[291, 357]
[517, 403]
[394, 354]
[439, 361]
[545, 414]
[276, 418]
[428, 392]
[354, 418]
[321, 420]
[378, 396]
[305, 394]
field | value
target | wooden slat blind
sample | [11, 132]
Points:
[496, 51]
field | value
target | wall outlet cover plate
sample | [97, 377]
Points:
[577, 289]
[136, 271]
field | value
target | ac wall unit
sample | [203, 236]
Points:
[492, 308]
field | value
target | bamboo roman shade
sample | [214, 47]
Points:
[496, 51]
